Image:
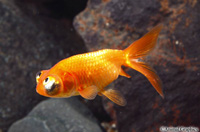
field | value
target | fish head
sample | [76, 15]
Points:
[49, 84]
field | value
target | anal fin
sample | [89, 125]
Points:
[89, 92]
[115, 96]
[123, 73]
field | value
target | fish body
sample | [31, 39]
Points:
[88, 74]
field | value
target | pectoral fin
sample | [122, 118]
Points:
[89, 92]
[115, 96]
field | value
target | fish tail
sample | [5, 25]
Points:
[141, 48]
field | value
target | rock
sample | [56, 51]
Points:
[97, 108]
[29, 42]
[61, 9]
[58, 115]
[116, 24]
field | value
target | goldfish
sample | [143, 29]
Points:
[88, 74]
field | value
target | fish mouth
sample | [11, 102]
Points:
[36, 90]
[40, 91]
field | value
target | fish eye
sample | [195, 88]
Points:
[51, 85]
[38, 74]
[46, 80]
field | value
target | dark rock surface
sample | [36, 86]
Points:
[30, 40]
[62, 9]
[58, 115]
[116, 24]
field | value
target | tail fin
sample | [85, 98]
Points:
[140, 48]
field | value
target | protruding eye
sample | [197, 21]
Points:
[38, 74]
[51, 85]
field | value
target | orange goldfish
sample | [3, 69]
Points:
[88, 74]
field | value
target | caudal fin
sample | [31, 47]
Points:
[144, 45]
[140, 48]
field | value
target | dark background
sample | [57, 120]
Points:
[35, 34]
